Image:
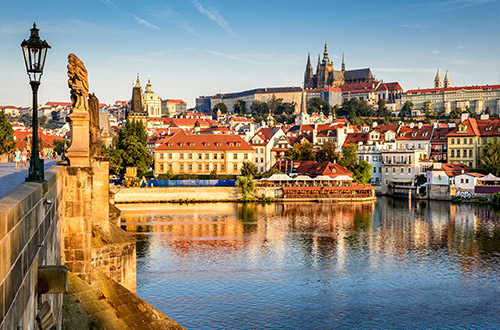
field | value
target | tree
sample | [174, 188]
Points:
[259, 108]
[491, 157]
[115, 159]
[246, 184]
[362, 172]
[406, 109]
[248, 169]
[428, 108]
[274, 103]
[130, 149]
[239, 106]
[349, 157]
[301, 151]
[328, 153]
[487, 111]
[220, 107]
[382, 109]
[213, 175]
[316, 105]
[60, 145]
[271, 171]
[7, 143]
[456, 113]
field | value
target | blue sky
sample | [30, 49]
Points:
[202, 47]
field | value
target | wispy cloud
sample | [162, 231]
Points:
[214, 15]
[414, 26]
[436, 52]
[108, 3]
[460, 47]
[459, 4]
[146, 23]
[175, 18]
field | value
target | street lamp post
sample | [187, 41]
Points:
[35, 51]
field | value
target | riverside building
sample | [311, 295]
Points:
[186, 153]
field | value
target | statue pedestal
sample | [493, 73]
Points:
[79, 152]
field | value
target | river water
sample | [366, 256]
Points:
[385, 265]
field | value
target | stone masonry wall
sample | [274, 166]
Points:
[171, 194]
[29, 237]
[77, 221]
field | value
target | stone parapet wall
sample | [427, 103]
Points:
[438, 192]
[29, 237]
[174, 194]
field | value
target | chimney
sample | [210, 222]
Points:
[485, 117]
[464, 117]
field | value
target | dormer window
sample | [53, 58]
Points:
[191, 144]
[237, 144]
[489, 128]
[218, 144]
[170, 144]
[425, 134]
[181, 144]
[414, 134]
[206, 144]
[231, 144]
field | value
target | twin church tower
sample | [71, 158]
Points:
[326, 76]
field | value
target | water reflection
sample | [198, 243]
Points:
[393, 264]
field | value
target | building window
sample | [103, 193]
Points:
[221, 156]
[402, 169]
[470, 152]
[169, 156]
[452, 153]
[190, 168]
[235, 156]
[470, 141]
[222, 167]
[200, 156]
[181, 167]
[161, 167]
[215, 156]
[207, 156]
[235, 167]
[458, 152]
[181, 155]
[452, 141]
[245, 156]
[207, 167]
[215, 167]
[169, 166]
[161, 156]
[409, 169]
[393, 170]
[199, 167]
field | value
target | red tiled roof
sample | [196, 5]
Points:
[451, 169]
[478, 127]
[325, 168]
[175, 101]
[329, 89]
[450, 89]
[355, 138]
[185, 141]
[415, 133]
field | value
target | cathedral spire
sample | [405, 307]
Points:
[438, 82]
[308, 59]
[326, 60]
[446, 80]
[137, 83]
[343, 62]
[149, 87]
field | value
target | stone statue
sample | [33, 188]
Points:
[95, 132]
[78, 84]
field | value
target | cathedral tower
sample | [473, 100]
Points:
[438, 82]
[446, 80]
[309, 74]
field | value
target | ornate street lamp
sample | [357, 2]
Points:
[35, 51]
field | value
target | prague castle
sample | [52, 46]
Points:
[326, 76]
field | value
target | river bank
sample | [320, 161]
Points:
[214, 194]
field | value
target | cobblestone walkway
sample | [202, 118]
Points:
[10, 177]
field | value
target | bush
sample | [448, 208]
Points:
[495, 198]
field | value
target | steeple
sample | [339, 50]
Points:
[326, 60]
[308, 60]
[137, 83]
[438, 82]
[446, 80]
[149, 87]
[309, 74]
[343, 62]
